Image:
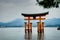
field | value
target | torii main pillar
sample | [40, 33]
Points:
[37, 16]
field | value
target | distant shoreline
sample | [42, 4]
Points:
[23, 27]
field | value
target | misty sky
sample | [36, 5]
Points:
[12, 9]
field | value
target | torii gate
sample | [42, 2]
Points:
[40, 24]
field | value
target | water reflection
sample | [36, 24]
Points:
[40, 36]
[28, 35]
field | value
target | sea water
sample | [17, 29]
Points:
[18, 33]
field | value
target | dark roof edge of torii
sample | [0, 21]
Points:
[34, 15]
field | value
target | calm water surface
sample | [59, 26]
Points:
[50, 33]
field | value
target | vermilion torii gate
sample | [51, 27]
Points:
[38, 16]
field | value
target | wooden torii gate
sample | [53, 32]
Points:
[37, 16]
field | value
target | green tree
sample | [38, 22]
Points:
[49, 3]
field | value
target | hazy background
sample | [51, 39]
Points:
[12, 9]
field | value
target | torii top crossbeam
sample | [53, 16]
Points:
[34, 15]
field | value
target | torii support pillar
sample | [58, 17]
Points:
[28, 27]
[40, 26]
